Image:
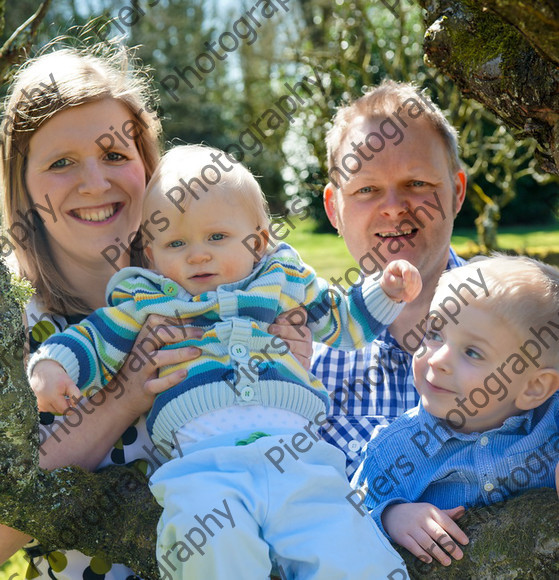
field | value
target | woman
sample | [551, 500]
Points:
[80, 187]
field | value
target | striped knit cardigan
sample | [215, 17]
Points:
[241, 363]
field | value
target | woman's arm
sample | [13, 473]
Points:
[10, 542]
[100, 420]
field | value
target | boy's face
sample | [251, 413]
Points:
[467, 374]
[203, 247]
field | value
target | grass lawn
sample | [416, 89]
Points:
[329, 257]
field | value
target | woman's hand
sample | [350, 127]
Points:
[140, 370]
[295, 334]
[102, 418]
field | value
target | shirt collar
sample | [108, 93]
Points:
[439, 432]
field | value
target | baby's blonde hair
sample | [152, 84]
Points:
[43, 87]
[188, 172]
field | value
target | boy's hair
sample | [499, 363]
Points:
[381, 102]
[522, 290]
[44, 86]
[188, 172]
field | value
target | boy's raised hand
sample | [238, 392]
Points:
[54, 389]
[401, 281]
[425, 530]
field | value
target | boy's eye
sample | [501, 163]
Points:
[472, 353]
[59, 163]
[433, 335]
[217, 237]
[176, 244]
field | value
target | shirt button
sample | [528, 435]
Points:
[170, 288]
[238, 350]
[488, 486]
[354, 446]
[484, 441]
[247, 394]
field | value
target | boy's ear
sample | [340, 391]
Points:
[540, 387]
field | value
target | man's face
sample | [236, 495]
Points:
[402, 202]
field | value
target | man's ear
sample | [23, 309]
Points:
[460, 184]
[540, 387]
[329, 199]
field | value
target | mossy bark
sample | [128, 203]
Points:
[505, 55]
[515, 539]
[110, 514]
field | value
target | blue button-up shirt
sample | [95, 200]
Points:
[419, 458]
[368, 387]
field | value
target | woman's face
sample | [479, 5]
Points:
[92, 191]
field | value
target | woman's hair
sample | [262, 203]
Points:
[52, 82]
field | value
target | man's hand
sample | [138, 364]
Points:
[426, 531]
[401, 281]
[54, 389]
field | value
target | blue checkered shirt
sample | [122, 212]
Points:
[368, 387]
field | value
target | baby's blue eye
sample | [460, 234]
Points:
[217, 237]
[112, 156]
[176, 244]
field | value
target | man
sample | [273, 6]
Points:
[395, 187]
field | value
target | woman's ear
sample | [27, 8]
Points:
[149, 255]
[542, 384]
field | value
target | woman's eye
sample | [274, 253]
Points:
[59, 164]
[112, 156]
[217, 237]
[176, 244]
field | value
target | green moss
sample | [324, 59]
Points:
[492, 38]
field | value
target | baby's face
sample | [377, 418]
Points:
[471, 369]
[206, 245]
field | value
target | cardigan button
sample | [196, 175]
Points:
[247, 394]
[170, 288]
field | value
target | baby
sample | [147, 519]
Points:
[248, 474]
[487, 425]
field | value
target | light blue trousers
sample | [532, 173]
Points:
[230, 511]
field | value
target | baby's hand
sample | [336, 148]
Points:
[401, 281]
[53, 388]
[424, 530]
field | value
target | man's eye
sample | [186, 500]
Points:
[59, 164]
[217, 237]
[176, 244]
[418, 183]
[366, 189]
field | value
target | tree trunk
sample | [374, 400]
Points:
[505, 55]
[110, 514]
